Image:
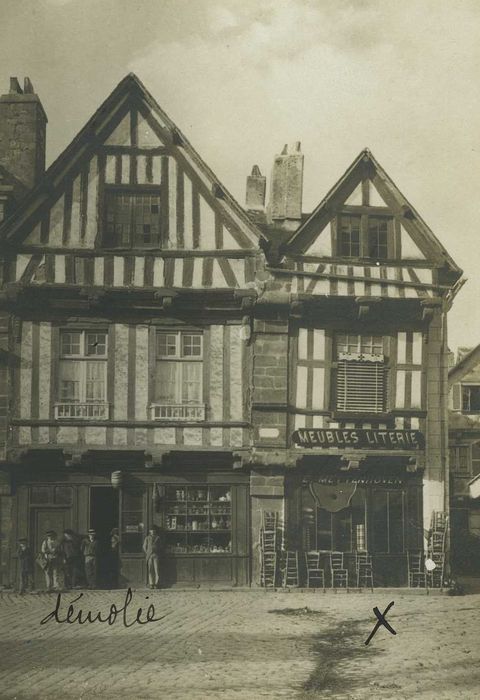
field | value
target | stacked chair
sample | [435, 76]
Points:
[290, 571]
[436, 548]
[268, 549]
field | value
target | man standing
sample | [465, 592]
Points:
[25, 565]
[52, 556]
[90, 553]
[72, 558]
[152, 547]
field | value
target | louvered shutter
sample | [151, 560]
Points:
[361, 383]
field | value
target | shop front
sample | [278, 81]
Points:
[202, 515]
[357, 502]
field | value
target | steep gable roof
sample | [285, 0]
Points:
[104, 122]
[366, 166]
[468, 363]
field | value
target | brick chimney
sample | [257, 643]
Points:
[285, 205]
[256, 187]
[22, 135]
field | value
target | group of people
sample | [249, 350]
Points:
[69, 562]
[73, 561]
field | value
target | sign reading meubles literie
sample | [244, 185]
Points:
[359, 438]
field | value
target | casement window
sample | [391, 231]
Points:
[132, 219]
[349, 243]
[377, 238]
[364, 236]
[361, 374]
[178, 385]
[471, 398]
[460, 459]
[82, 375]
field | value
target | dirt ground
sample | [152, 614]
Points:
[244, 644]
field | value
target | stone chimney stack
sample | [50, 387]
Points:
[23, 125]
[285, 205]
[256, 187]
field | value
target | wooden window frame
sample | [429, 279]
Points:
[455, 463]
[180, 410]
[83, 409]
[111, 240]
[365, 216]
[363, 413]
[464, 389]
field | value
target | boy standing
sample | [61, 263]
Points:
[25, 565]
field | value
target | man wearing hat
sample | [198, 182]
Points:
[90, 553]
[25, 565]
[51, 552]
[72, 558]
[152, 548]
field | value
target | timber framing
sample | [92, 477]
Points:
[130, 94]
[366, 166]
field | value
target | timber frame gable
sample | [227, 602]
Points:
[316, 261]
[58, 233]
[366, 189]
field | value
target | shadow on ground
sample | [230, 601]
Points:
[335, 648]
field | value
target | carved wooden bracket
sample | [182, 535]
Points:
[366, 305]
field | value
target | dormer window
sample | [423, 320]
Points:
[132, 218]
[365, 236]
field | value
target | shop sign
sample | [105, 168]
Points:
[359, 438]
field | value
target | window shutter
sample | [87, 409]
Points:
[361, 383]
[457, 397]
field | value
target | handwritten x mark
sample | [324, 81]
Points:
[381, 621]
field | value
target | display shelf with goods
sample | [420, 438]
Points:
[198, 519]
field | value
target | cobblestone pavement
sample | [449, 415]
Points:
[244, 644]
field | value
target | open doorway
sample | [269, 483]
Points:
[104, 511]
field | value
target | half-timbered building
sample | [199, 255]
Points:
[174, 359]
[464, 460]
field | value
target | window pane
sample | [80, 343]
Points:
[118, 218]
[380, 521]
[96, 343]
[191, 382]
[166, 382]
[166, 345]
[70, 343]
[70, 380]
[146, 217]
[395, 525]
[377, 238]
[191, 345]
[350, 236]
[95, 381]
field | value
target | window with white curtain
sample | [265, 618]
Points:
[178, 386]
[82, 381]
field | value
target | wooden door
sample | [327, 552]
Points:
[47, 519]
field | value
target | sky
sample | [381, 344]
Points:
[243, 77]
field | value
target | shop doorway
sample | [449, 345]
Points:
[103, 518]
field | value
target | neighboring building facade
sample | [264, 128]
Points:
[464, 442]
[173, 359]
